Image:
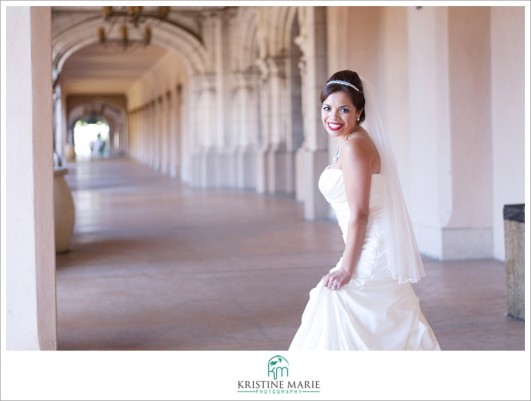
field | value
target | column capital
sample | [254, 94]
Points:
[243, 79]
[272, 67]
[205, 82]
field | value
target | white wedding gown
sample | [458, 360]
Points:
[373, 311]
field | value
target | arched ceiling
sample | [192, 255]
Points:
[107, 69]
[86, 66]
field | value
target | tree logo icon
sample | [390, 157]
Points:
[278, 366]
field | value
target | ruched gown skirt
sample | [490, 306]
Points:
[373, 311]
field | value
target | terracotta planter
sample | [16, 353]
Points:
[70, 153]
[64, 211]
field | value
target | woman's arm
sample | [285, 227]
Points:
[357, 173]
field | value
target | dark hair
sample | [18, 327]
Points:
[357, 98]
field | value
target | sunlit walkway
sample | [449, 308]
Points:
[155, 264]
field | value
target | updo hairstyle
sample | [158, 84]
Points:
[357, 98]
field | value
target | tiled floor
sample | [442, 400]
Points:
[155, 264]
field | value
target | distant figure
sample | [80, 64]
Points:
[97, 148]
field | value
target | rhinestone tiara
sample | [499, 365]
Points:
[337, 81]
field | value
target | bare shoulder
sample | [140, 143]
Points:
[358, 147]
[360, 151]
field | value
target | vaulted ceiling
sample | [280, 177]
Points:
[108, 67]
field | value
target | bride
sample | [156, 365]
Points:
[366, 302]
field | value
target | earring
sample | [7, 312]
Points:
[358, 118]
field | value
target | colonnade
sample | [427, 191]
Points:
[236, 104]
[245, 120]
[160, 117]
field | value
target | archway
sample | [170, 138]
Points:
[169, 36]
[181, 40]
[110, 109]
[91, 138]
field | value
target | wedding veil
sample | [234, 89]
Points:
[404, 259]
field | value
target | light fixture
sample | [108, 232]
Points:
[130, 26]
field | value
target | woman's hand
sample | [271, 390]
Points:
[337, 279]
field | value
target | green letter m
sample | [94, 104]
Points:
[274, 366]
[282, 369]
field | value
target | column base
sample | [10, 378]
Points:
[315, 205]
[454, 243]
[246, 168]
[275, 171]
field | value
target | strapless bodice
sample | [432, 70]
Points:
[332, 187]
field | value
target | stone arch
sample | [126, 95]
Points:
[287, 18]
[115, 115]
[248, 35]
[290, 34]
[245, 95]
[279, 100]
[186, 45]
[276, 26]
[168, 36]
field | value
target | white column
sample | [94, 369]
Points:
[468, 232]
[187, 126]
[164, 128]
[145, 142]
[273, 168]
[139, 133]
[59, 137]
[429, 142]
[245, 124]
[451, 148]
[152, 134]
[177, 123]
[67, 132]
[158, 132]
[204, 171]
[30, 256]
[123, 136]
[508, 115]
[314, 73]
[220, 156]
[172, 151]
[279, 167]
[133, 121]
[264, 139]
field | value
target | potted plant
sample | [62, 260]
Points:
[64, 210]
